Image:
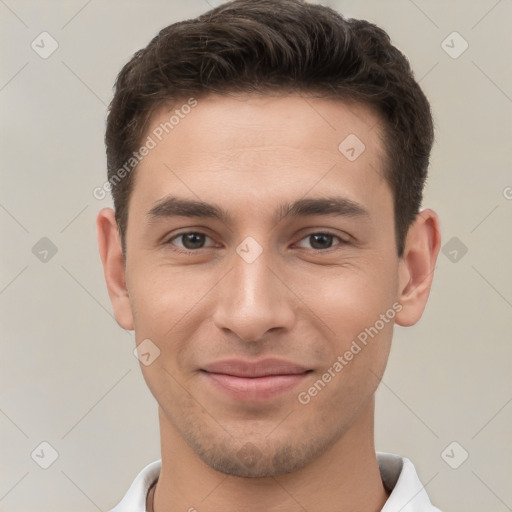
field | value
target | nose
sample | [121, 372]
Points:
[254, 298]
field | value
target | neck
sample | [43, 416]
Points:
[345, 477]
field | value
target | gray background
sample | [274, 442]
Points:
[68, 376]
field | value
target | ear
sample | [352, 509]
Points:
[109, 245]
[416, 267]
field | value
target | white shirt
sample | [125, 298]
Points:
[398, 476]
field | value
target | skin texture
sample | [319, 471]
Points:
[297, 301]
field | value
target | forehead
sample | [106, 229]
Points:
[252, 118]
[243, 147]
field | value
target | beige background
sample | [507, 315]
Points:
[68, 375]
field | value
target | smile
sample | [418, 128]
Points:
[254, 381]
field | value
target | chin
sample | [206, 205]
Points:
[260, 459]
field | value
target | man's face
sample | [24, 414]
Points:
[261, 284]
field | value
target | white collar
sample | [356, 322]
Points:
[398, 475]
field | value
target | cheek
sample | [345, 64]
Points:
[163, 298]
[163, 295]
[171, 305]
[351, 375]
[350, 298]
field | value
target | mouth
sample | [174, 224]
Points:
[254, 381]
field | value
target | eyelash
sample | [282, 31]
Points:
[190, 252]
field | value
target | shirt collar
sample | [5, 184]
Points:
[398, 476]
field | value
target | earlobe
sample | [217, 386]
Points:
[416, 268]
[109, 245]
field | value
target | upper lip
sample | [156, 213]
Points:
[262, 368]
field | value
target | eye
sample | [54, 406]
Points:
[192, 240]
[323, 241]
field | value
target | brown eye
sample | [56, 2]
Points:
[322, 241]
[191, 241]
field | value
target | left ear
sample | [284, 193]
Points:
[416, 267]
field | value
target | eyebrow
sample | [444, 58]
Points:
[171, 206]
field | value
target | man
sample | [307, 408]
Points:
[267, 161]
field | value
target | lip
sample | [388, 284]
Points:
[262, 368]
[254, 381]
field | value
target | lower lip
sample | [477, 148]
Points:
[254, 389]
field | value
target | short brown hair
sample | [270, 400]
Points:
[261, 46]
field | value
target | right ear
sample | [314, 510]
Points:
[110, 248]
